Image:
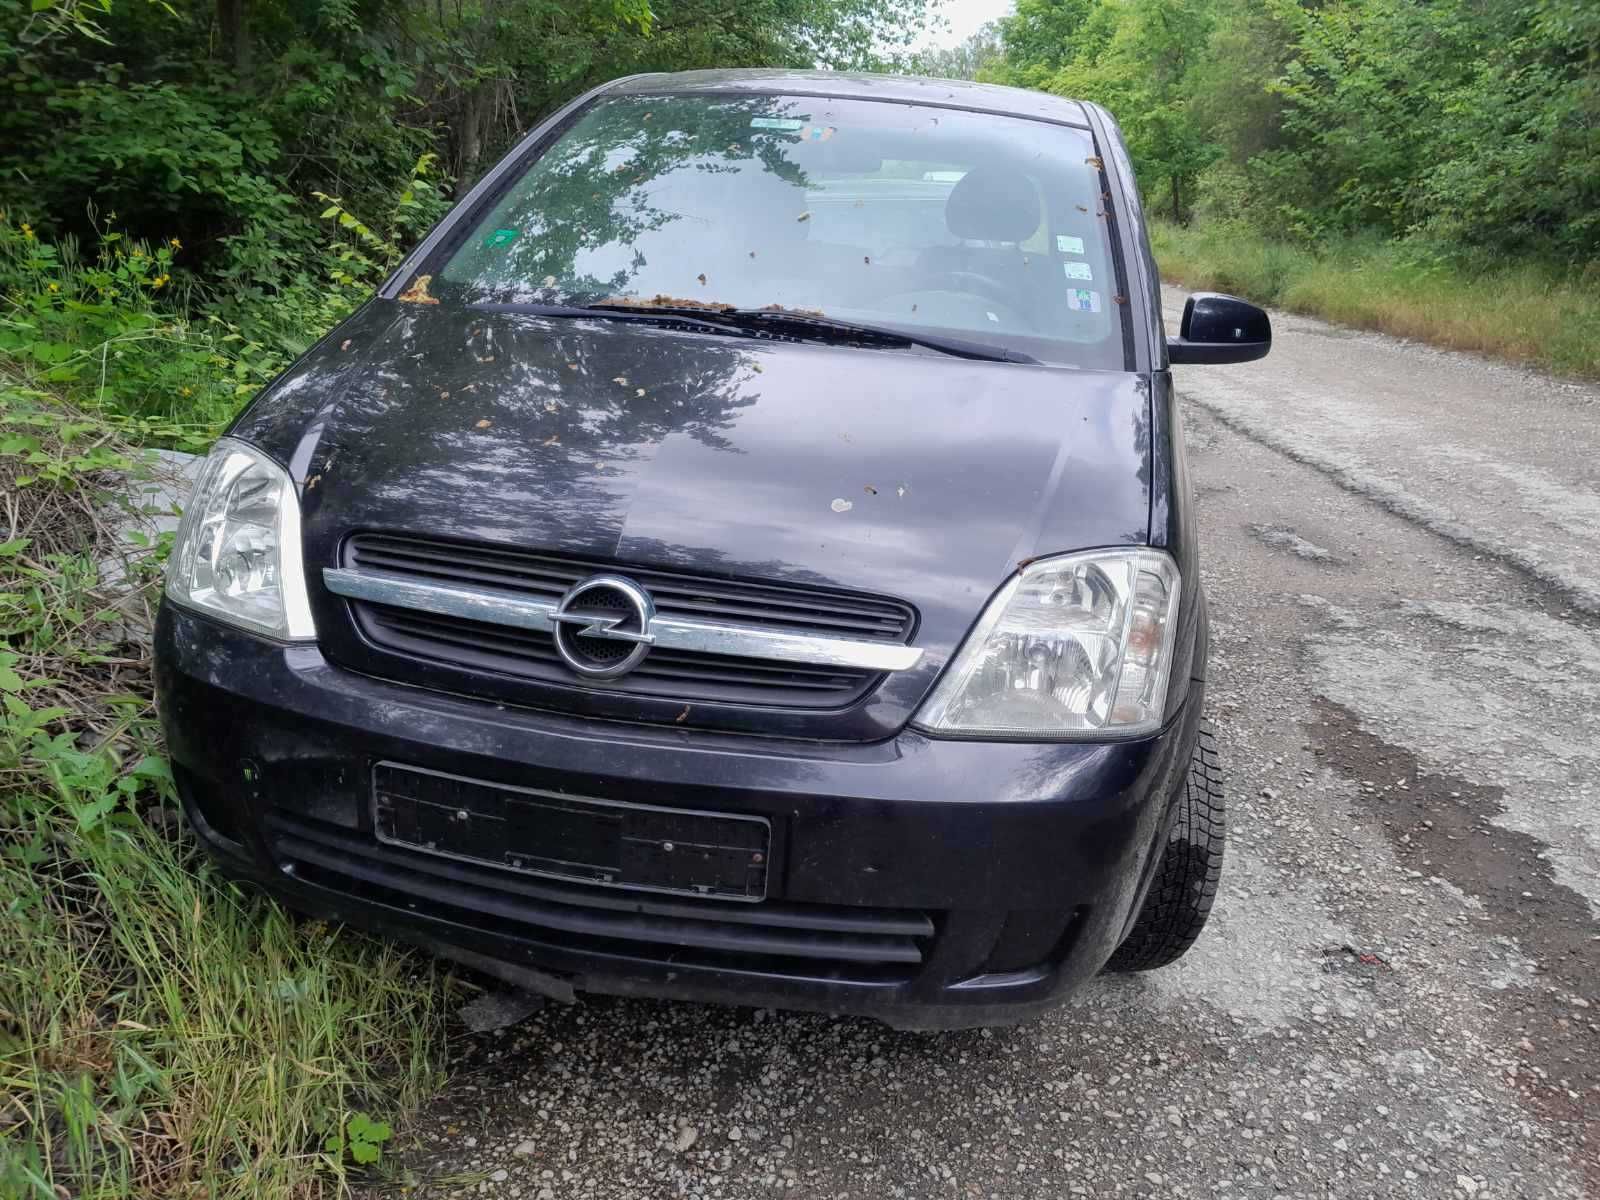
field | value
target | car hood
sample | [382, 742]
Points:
[910, 474]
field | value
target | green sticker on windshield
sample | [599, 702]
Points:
[501, 237]
[783, 123]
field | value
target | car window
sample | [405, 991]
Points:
[981, 226]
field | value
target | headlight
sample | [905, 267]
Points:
[1072, 647]
[237, 554]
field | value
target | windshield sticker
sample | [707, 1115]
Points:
[1069, 245]
[1083, 300]
[1077, 270]
[501, 237]
[783, 123]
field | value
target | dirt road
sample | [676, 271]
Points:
[1399, 993]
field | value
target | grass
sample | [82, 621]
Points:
[162, 1033]
[1523, 313]
[165, 1035]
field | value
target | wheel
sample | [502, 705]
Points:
[1185, 884]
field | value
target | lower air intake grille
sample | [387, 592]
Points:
[676, 675]
[774, 937]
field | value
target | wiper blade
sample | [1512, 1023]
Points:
[653, 314]
[833, 328]
[739, 322]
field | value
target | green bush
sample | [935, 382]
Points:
[162, 1034]
[1529, 312]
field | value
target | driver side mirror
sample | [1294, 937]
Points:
[1220, 329]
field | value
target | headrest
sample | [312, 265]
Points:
[993, 204]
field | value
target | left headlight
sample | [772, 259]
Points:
[1073, 647]
[237, 553]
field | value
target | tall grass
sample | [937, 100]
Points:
[165, 1035]
[162, 1034]
[1525, 312]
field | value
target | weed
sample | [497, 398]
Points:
[1519, 311]
[162, 1033]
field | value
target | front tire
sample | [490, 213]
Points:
[1185, 884]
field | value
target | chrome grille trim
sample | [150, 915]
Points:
[669, 632]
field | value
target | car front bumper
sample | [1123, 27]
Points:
[929, 883]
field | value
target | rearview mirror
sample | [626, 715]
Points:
[1220, 329]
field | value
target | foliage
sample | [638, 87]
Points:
[1527, 312]
[1470, 128]
[963, 61]
[360, 1137]
[161, 1033]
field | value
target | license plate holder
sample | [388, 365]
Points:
[611, 843]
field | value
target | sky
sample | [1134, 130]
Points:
[964, 16]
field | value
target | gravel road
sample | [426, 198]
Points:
[1399, 991]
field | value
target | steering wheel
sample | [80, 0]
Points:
[982, 285]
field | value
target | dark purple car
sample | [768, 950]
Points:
[745, 553]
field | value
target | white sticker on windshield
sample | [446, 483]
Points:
[1083, 300]
[1077, 270]
[783, 123]
[1069, 245]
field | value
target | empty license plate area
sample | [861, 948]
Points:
[565, 837]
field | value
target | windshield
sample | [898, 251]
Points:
[969, 225]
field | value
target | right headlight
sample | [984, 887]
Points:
[237, 552]
[1073, 646]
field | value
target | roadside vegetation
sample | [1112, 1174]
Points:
[191, 194]
[1427, 169]
[1531, 312]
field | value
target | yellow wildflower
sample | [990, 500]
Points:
[27, 231]
[186, 391]
[55, 287]
[175, 244]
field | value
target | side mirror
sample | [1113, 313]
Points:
[1220, 329]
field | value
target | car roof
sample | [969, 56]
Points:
[902, 89]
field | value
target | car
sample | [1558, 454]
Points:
[744, 554]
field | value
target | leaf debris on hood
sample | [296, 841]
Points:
[417, 293]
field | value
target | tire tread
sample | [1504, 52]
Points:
[1185, 887]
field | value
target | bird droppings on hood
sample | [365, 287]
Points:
[444, 395]
[551, 406]
[682, 717]
[1095, 161]
[313, 481]
[870, 490]
[805, 216]
[552, 440]
[842, 505]
[901, 490]
[572, 366]
[485, 423]
[345, 345]
[620, 380]
[417, 293]
[638, 391]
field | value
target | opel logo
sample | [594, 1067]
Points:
[602, 626]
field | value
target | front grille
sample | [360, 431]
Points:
[810, 940]
[676, 675]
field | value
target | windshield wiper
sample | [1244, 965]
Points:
[653, 314]
[827, 328]
[745, 322]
